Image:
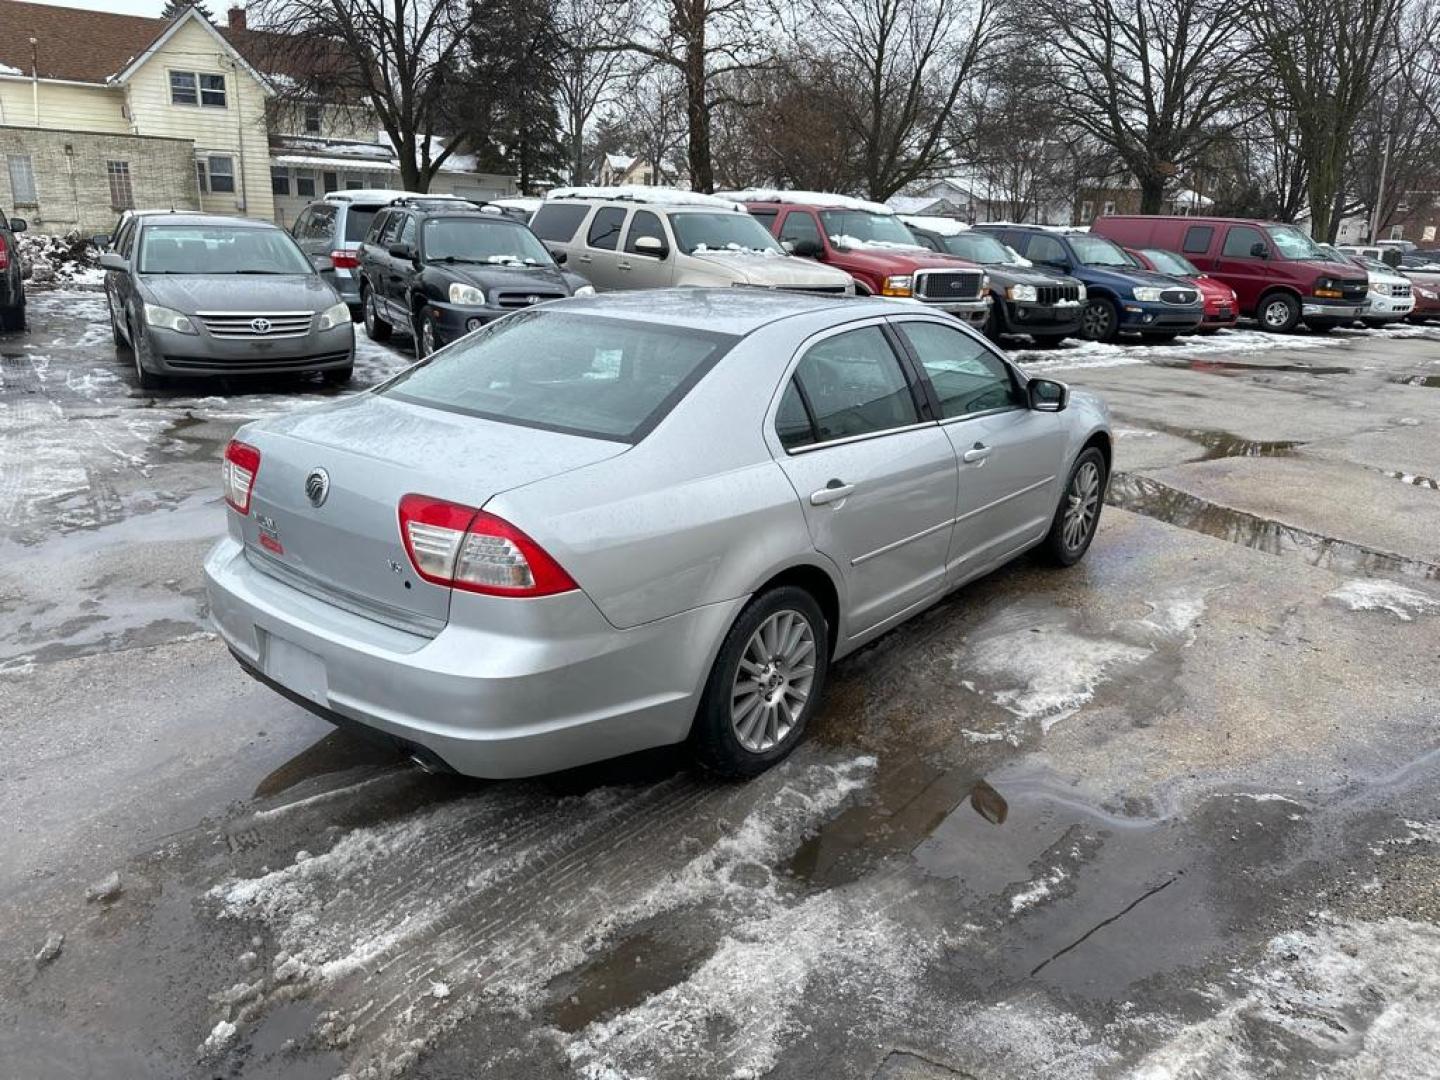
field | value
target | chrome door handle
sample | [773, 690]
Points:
[834, 491]
[582, 258]
[622, 266]
[978, 452]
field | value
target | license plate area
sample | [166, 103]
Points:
[296, 669]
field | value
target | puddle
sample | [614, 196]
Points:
[1143, 495]
[634, 969]
[1223, 444]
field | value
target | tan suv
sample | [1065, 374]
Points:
[636, 237]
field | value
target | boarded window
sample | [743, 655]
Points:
[122, 195]
[22, 180]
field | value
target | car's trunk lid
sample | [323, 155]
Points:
[372, 451]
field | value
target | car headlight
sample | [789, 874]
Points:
[467, 295]
[1147, 293]
[899, 285]
[584, 290]
[1022, 292]
[1379, 288]
[167, 319]
[331, 317]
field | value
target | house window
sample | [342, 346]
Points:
[312, 119]
[305, 183]
[22, 180]
[332, 182]
[122, 195]
[1087, 211]
[1109, 208]
[216, 174]
[279, 181]
[354, 183]
[191, 88]
[1396, 231]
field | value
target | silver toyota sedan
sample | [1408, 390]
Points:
[624, 521]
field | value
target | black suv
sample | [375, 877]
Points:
[1024, 298]
[12, 275]
[439, 270]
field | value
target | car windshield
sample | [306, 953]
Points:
[1167, 262]
[493, 240]
[1293, 243]
[861, 229]
[569, 372]
[1097, 251]
[219, 249]
[722, 231]
[979, 248]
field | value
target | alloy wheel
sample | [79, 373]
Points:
[1083, 507]
[1277, 314]
[370, 313]
[1096, 322]
[773, 681]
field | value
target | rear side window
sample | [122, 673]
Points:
[1045, 249]
[557, 222]
[855, 386]
[792, 419]
[605, 228]
[390, 232]
[1240, 240]
[1197, 239]
[601, 378]
[357, 221]
[967, 377]
[372, 236]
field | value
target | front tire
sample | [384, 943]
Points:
[376, 328]
[424, 335]
[1047, 341]
[139, 349]
[1078, 515]
[1101, 321]
[765, 685]
[1278, 313]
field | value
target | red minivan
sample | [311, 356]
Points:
[1279, 275]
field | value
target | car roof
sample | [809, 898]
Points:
[214, 220]
[734, 310]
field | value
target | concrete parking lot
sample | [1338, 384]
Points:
[1172, 813]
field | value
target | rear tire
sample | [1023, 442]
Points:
[1375, 324]
[1078, 515]
[376, 328]
[1321, 326]
[1278, 312]
[751, 718]
[1101, 320]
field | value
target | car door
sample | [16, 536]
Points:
[1010, 457]
[373, 258]
[1237, 265]
[113, 296]
[598, 258]
[646, 269]
[402, 273]
[390, 268]
[874, 475]
[122, 283]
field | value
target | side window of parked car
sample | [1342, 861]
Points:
[1240, 240]
[393, 224]
[1197, 239]
[377, 227]
[967, 377]
[924, 241]
[855, 386]
[766, 218]
[792, 419]
[407, 231]
[644, 223]
[302, 223]
[1046, 249]
[798, 226]
[557, 222]
[604, 230]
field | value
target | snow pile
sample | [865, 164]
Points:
[644, 193]
[1038, 890]
[806, 198]
[854, 243]
[943, 225]
[1076, 352]
[1363, 594]
[69, 259]
[6, 69]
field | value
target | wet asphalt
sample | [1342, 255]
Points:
[1174, 812]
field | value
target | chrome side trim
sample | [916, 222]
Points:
[900, 543]
[1003, 499]
[860, 438]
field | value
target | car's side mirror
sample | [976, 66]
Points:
[111, 261]
[18, 224]
[561, 256]
[1047, 395]
[652, 246]
[402, 251]
[1258, 250]
[806, 249]
[101, 240]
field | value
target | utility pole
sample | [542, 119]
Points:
[1380, 192]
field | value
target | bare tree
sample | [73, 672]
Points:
[1325, 60]
[1146, 78]
[396, 56]
[590, 69]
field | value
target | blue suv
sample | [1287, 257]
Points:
[1122, 297]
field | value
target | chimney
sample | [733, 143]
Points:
[235, 17]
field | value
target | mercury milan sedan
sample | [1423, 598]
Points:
[636, 519]
[198, 295]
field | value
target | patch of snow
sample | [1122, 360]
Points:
[1369, 594]
[1076, 352]
[6, 69]
[1260, 797]
[854, 243]
[220, 1037]
[645, 193]
[944, 226]
[1134, 433]
[806, 198]
[1039, 889]
[439, 990]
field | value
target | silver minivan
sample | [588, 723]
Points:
[636, 237]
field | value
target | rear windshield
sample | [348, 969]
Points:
[357, 221]
[566, 371]
[219, 249]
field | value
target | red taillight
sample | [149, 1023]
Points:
[4, 254]
[468, 549]
[238, 472]
[345, 260]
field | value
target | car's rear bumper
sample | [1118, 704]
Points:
[172, 353]
[483, 702]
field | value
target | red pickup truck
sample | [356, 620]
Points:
[872, 245]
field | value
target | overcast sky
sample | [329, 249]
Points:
[131, 7]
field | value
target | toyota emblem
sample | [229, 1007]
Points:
[260, 326]
[317, 487]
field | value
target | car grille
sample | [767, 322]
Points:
[1402, 291]
[1054, 294]
[253, 363]
[1355, 291]
[256, 325]
[525, 299]
[1179, 296]
[948, 284]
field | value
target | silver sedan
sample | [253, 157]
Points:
[619, 522]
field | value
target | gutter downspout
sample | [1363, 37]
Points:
[35, 79]
[243, 202]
